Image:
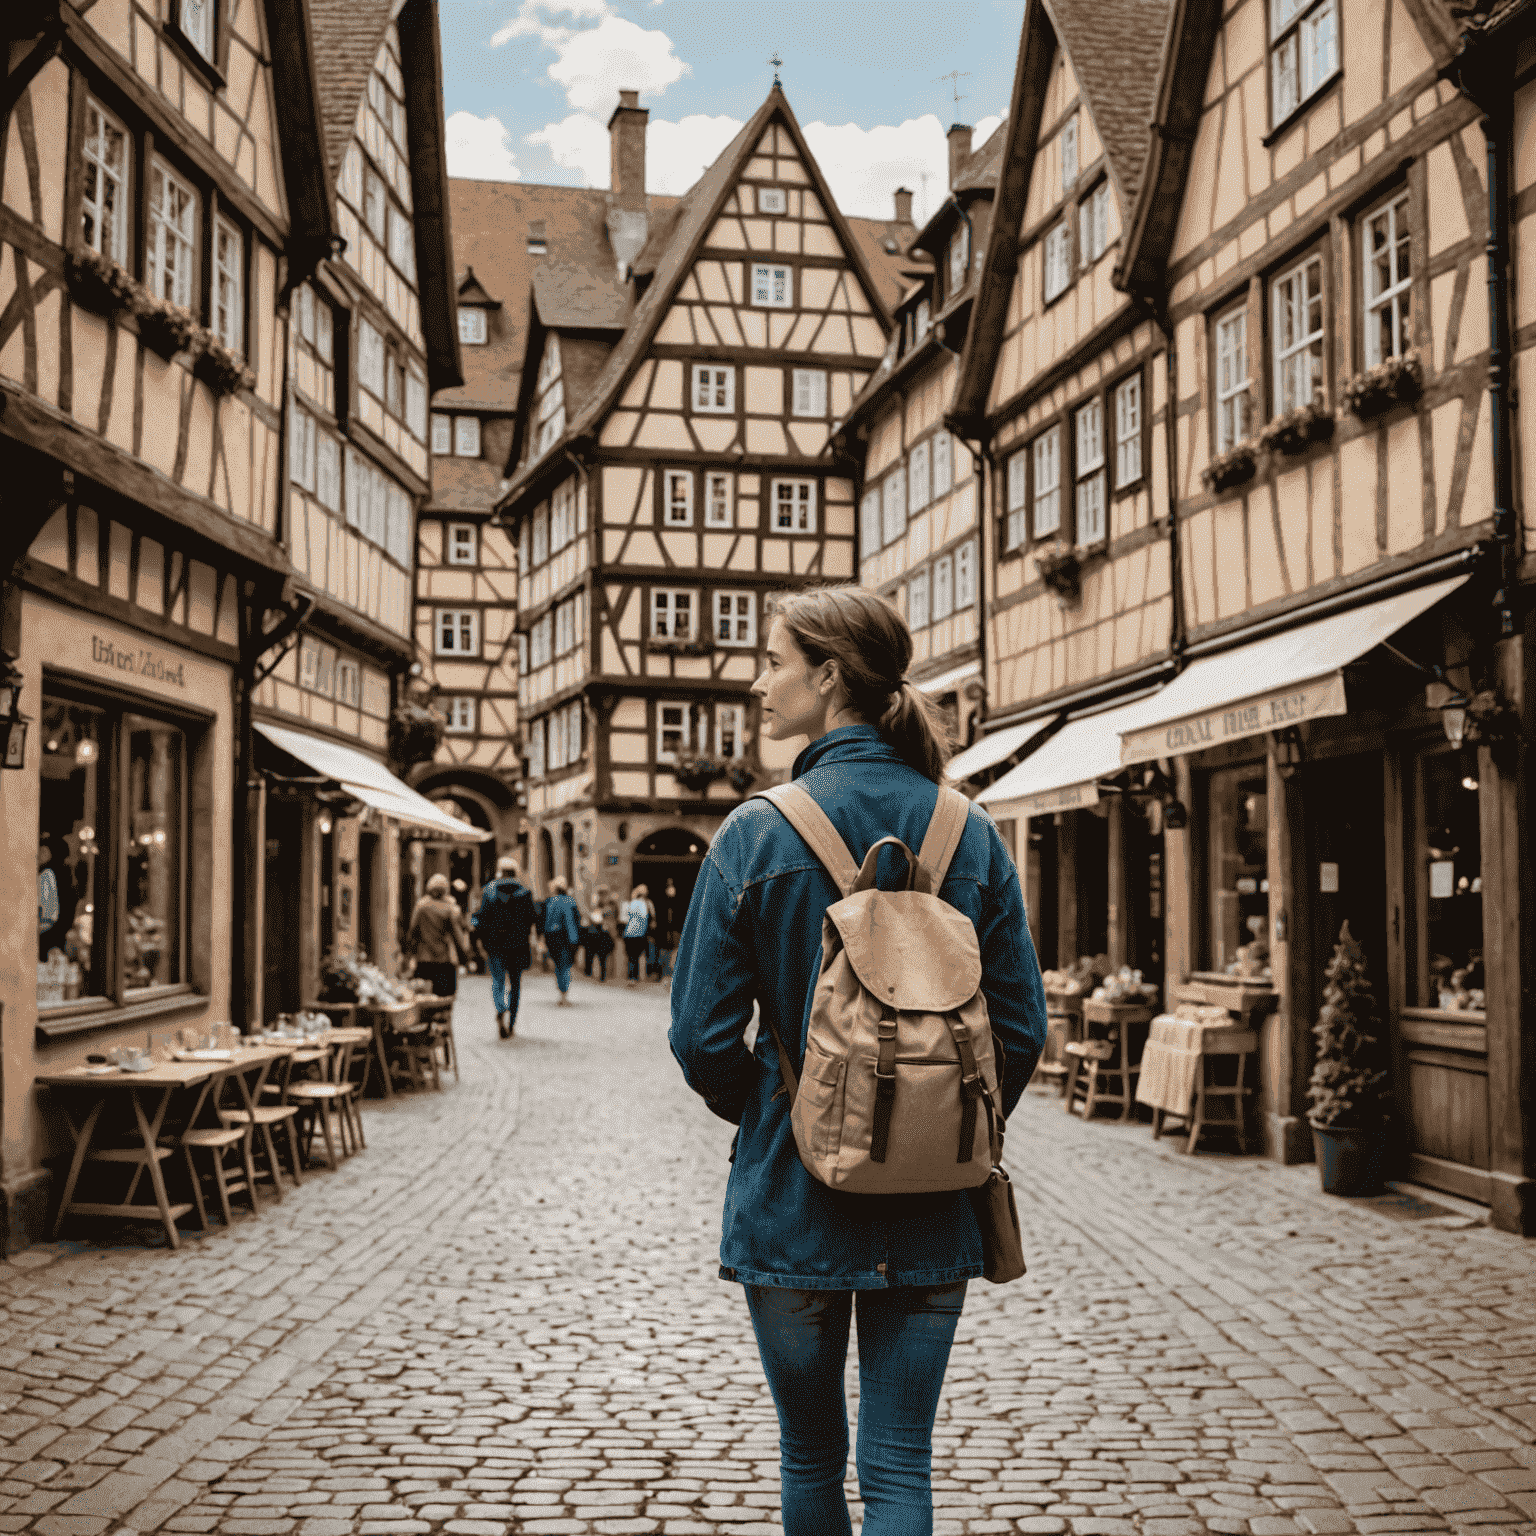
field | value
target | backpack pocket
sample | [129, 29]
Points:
[818, 1113]
[922, 1150]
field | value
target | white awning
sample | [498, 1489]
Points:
[368, 780]
[994, 749]
[1269, 684]
[1064, 774]
[947, 680]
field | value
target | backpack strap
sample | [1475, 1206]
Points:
[945, 830]
[799, 808]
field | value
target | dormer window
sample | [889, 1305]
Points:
[538, 245]
[472, 327]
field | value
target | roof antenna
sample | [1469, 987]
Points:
[778, 64]
[954, 77]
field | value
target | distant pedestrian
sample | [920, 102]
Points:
[807, 1254]
[602, 931]
[502, 923]
[437, 939]
[562, 933]
[636, 917]
[669, 920]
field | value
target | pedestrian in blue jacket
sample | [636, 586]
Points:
[502, 923]
[807, 1255]
[562, 933]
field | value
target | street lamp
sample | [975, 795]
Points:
[13, 726]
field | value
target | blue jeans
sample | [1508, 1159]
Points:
[561, 952]
[904, 1340]
[506, 986]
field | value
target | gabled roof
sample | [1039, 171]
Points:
[472, 291]
[695, 218]
[348, 35]
[311, 212]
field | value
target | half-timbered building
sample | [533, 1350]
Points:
[671, 475]
[918, 486]
[1258, 641]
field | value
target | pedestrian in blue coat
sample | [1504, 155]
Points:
[808, 1255]
[562, 933]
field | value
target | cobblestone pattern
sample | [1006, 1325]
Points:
[504, 1317]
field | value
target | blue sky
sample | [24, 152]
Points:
[530, 84]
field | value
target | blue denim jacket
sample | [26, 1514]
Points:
[753, 935]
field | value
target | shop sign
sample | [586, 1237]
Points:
[1251, 717]
[1070, 797]
[136, 660]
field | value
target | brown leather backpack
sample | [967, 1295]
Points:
[898, 1093]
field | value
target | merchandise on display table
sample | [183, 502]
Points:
[352, 978]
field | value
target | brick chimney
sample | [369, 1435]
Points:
[959, 152]
[903, 205]
[628, 225]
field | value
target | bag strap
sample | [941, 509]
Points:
[945, 830]
[799, 808]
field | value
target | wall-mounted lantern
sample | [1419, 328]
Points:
[13, 725]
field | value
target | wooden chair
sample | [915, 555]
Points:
[437, 1014]
[263, 1117]
[412, 1055]
[325, 1102]
[197, 1134]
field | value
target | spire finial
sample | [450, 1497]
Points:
[778, 64]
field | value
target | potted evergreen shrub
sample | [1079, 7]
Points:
[1349, 1087]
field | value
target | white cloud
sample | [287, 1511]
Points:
[595, 65]
[986, 128]
[579, 143]
[480, 148]
[530, 20]
[677, 154]
[864, 166]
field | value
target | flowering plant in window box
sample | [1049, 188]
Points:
[681, 647]
[697, 771]
[415, 732]
[1397, 381]
[98, 283]
[1230, 468]
[1292, 432]
[166, 328]
[1061, 569]
[223, 371]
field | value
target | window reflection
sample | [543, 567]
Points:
[70, 867]
[1238, 873]
[1451, 975]
[152, 936]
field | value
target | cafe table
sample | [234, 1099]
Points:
[375, 1018]
[149, 1095]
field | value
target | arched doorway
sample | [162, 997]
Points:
[468, 866]
[674, 853]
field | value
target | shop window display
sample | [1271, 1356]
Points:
[1450, 972]
[1237, 938]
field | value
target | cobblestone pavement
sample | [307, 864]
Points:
[504, 1317]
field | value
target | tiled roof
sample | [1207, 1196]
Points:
[463, 485]
[893, 271]
[980, 171]
[1116, 48]
[348, 35]
[573, 297]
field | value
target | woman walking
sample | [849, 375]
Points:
[636, 917]
[438, 939]
[562, 933]
[807, 1256]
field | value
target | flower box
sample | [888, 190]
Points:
[223, 371]
[1234, 467]
[1061, 570]
[698, 773]
[681, 647]
[167, 328]
[1298, 429]
[415, 733]
[1397, 381]
[99, 284]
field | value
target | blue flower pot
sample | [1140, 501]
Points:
[1349, 1161]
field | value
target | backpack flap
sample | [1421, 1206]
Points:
[913, 952]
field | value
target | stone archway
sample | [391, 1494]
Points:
[676, 854]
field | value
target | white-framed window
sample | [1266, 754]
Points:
[171, 239]
[472, 327]
[959, 256]
[924, 318]
[1018, 498]
[895, 516]
[672, 614]
[730, 727]
[714, 389]
[105, 211]
[917, 478]
[402, 243]
[1068, 153]
[965, 575]
[568, 625]
[1388, 281]
[397, 537]
[810, 392]
[541, 535]
[562, 516]
[1047, 456]
[461, 544]
[735, 618]
[773, 287]
[673, 733]
[1298, 332]
[943, 462]
[196, 21]
[772, 200]
[375, 204]
[677, 498]
[328, 472]
[541, 642]
[1093, 224]
[1128, 431]
[416, 403]
[1058, 261]
[1089, 426]
[442, 434]
[794, 506]
[458, 631]
[349, 684]
[555, 756]
[536, 750]
[460, 712]
[301, 446]
[869, 522]
[522, 655]
[370, 359]
[1303, 51]
[1234, 400]
[466, 437]
[228, 310]
[718, 512]
[917, 599]
[943, 587]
